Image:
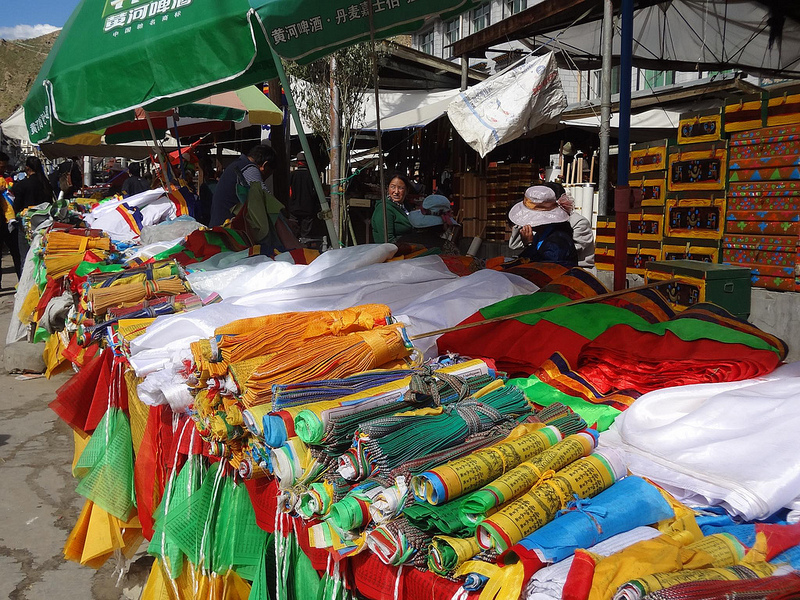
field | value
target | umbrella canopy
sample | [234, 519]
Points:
[116, 55]
[249, 102]
[304, 30]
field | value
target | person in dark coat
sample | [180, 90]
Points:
[303, 202]
[135, 183]
[255, 166]
[35, 189]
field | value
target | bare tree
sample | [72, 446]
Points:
[331, 90]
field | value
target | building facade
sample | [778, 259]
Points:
[437, 39]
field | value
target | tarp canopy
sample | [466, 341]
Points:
[656, 118]
[14, 127]
[694, 35]
[399, 109]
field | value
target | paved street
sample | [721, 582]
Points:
[38, 503]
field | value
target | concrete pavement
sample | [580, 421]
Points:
[38, 503]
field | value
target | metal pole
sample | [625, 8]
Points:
[378, 123]
[312, 165]
[623, 159]
[605, 107]
[336, 148]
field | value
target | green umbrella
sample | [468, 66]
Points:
[117, 55]
[304, 30]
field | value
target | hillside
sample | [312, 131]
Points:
[20, 61]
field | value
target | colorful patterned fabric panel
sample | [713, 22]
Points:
[743, 256]
[765, 188]
[787, 160]
[763, 227]
[776, 243]
[765, 149]
[767, 174]
[765, 135]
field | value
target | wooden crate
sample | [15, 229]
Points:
[695, 217]
[744, 114]
[700, 127]
[702, 169]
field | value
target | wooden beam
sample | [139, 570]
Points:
[544, 16]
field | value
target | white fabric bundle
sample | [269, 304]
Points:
[729, 444]
[154, 206]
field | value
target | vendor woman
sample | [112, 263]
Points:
[397, 223]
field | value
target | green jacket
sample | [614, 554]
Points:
[396, 220]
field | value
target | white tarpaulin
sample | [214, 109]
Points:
[399, 110]
[14, 127]
[702, 34]
[509, 104]
[730, 444]
[656, 118]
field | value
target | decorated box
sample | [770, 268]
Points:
[697, 169]
[639, 253]
[694, 128]
[695, 217]
[649, 156]
[646, 225]
[724, 285]
[744, 114]
[783, 108]
[653, 186]
[678, 249]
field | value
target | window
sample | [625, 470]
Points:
[451, 34]
[515, 6]
[596, 83]
[480, 17]
[654, 79]
[426, 42]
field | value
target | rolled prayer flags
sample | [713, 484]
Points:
[448, 553]
[584, 478]
[249, 338]
[396, 542]
[631, 502]
[288, 462]
[466, 474]
[329, 356]
[664, 554]
[313, 421]
[778, 587]
[316, 500]
[352, 511]
[639, 588]
[390, 502]
[519, 480]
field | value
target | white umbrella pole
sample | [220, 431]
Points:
[323, 203]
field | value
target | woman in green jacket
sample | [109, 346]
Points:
[397, 223]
